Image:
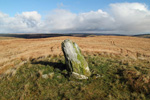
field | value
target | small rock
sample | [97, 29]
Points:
[50, 75]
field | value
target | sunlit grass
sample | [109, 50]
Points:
[7, 38]
[112, 78]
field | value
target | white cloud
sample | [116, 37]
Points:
[25, 22]
[131, 17]
[94, 21]
[59, 20]
[65, 21]
[123, 18]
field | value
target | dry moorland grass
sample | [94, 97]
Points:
[14, 51]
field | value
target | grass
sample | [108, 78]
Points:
[6, 38]
[112, 78]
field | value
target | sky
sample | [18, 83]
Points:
[75, 16]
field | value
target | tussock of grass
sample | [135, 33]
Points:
[118, 79]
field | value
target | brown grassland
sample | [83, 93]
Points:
[25, 49]
[122, 62]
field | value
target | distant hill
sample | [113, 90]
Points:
[43, 35]
[30, 36]
[143, 35]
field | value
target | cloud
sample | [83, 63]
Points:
[131, 17]
[122, 18]
[59, 20]
[31, 19]
[25, 22]
[94, 21]
[65, 21]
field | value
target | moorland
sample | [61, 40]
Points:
[122, 63]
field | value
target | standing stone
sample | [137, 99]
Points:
[77, 65]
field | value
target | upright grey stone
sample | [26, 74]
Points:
[77, 65]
